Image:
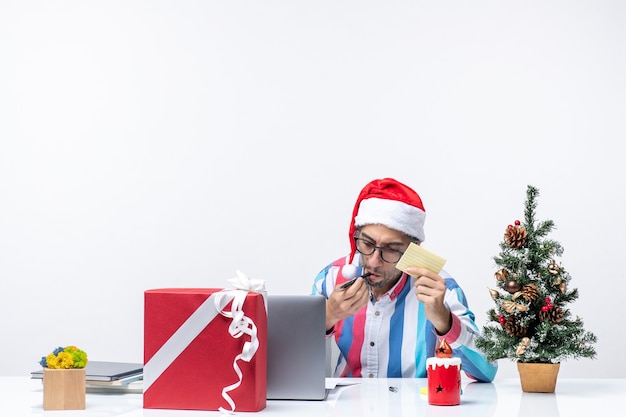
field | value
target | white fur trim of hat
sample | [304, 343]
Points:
[394, 214]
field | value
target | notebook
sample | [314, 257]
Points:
[104, 371]
[296, 350]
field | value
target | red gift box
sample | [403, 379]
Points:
[191, 360]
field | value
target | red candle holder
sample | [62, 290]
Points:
[444, 381]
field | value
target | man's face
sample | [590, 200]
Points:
[384, 274]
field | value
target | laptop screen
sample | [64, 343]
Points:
[296, 350]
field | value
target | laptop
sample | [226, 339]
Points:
[296, 350]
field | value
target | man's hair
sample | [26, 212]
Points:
[357, 233]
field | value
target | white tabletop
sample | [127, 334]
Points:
[22, 396]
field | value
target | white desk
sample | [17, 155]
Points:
[22, 396]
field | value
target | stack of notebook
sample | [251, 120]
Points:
[105, 375]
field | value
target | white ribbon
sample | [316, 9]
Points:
[239, 326]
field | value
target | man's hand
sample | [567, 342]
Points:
[430, 289]
[343, 303]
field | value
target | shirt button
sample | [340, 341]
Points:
[377, 313]
[371, 375]
[372, 343]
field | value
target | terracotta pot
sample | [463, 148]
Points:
[64, 389]
[538, 377]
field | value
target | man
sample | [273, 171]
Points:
[387, 323]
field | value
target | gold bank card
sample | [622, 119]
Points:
[417, 256]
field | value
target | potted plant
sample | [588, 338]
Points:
[64, 379]
[530, 323]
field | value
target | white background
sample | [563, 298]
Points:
[149, 144]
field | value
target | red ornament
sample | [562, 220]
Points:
[501, 319]
[548, 300]
[545, 309]
[517, 223]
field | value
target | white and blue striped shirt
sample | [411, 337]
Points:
[391, 338]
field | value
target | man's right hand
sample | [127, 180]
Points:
[343, 303]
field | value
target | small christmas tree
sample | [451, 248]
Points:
[530, 322]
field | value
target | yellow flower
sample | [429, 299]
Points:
[63, 360]
[66, 360]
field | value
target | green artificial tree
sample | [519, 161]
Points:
[530, 322]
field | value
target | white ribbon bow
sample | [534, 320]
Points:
[239, 326]
[242, 282]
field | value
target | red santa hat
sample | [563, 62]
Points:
[392, 204]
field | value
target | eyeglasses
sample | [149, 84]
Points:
[365, 247]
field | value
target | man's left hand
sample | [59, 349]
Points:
[430, 289]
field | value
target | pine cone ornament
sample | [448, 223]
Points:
[530, 292]
[515, 236]
[513, 328]
[554, 314]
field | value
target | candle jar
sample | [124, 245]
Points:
[444, 381]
